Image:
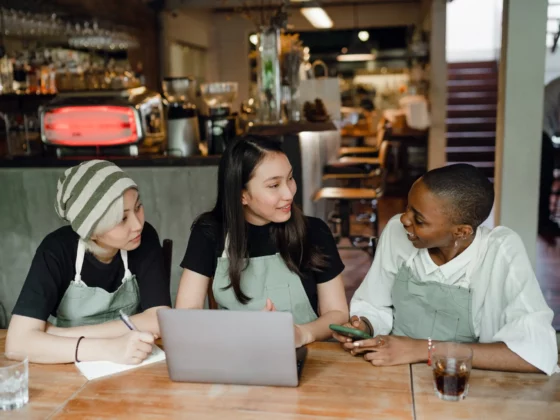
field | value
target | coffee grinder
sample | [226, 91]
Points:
[183, 135]
[221, 125]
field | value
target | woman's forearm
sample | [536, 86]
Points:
[145, 321]
[40, 347]
[497, 356]
[319, 330]
[490, 356]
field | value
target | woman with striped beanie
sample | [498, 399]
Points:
[106, 261]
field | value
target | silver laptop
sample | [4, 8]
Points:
[231, 347]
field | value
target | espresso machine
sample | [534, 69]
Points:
[183, 135]
[221, 126]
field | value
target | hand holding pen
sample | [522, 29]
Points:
[133, 347]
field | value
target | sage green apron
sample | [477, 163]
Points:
[430, 309]
[264, 277]
[83, 305]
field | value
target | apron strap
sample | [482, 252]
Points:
[80, 262]
[127, 273]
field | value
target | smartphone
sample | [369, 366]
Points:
[352, 333]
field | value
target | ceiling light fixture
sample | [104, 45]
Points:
[355, 57]
[357, 51]
[363, 35]
[317, 17]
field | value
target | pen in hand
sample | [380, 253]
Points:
[127, 321]
[124, 317]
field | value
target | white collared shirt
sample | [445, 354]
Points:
[508, 305]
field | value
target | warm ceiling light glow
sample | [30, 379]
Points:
[355, 57]
[254, 38]
[363, 35]
[317, 17]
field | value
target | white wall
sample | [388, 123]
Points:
[473, 30]
[192, 28]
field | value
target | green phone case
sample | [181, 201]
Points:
[350, 332]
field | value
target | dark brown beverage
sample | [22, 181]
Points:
[451, 384]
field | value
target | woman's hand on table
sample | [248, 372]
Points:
[302, 335]
[390, 350]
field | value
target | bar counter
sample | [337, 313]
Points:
[174, 190]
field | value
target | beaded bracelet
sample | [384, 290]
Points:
[430, 347]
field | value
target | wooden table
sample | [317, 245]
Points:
[492, 395]
[334, 385]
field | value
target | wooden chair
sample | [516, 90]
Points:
[371, 150]
[212, 304]
[3, 317]
[167, 257]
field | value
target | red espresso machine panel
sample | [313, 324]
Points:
[128, 122]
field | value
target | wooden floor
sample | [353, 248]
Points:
[547, 268]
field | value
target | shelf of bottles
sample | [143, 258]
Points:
[52, 70]
[78, 63]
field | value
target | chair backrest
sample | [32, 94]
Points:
[384, 154]
[386, 149]
[212, 304]
[3, 317]
[381, 130]
[167, 257]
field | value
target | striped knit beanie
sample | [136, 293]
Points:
[85, 193]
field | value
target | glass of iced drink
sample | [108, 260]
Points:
[14, 378]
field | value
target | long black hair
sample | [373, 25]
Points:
[237, 167]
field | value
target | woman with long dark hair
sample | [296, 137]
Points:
[258, 248]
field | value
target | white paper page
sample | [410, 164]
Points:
[94, 370]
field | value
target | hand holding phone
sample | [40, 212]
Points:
[348, 331]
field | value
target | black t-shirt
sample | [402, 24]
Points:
[53, 268]
[206, 245]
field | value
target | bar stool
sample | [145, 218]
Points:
[367, 150]
[343, 198]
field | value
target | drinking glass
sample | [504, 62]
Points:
[451, 363]
[14, 379]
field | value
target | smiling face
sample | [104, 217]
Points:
[269, 194]
[127, 234]
[427, 220]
